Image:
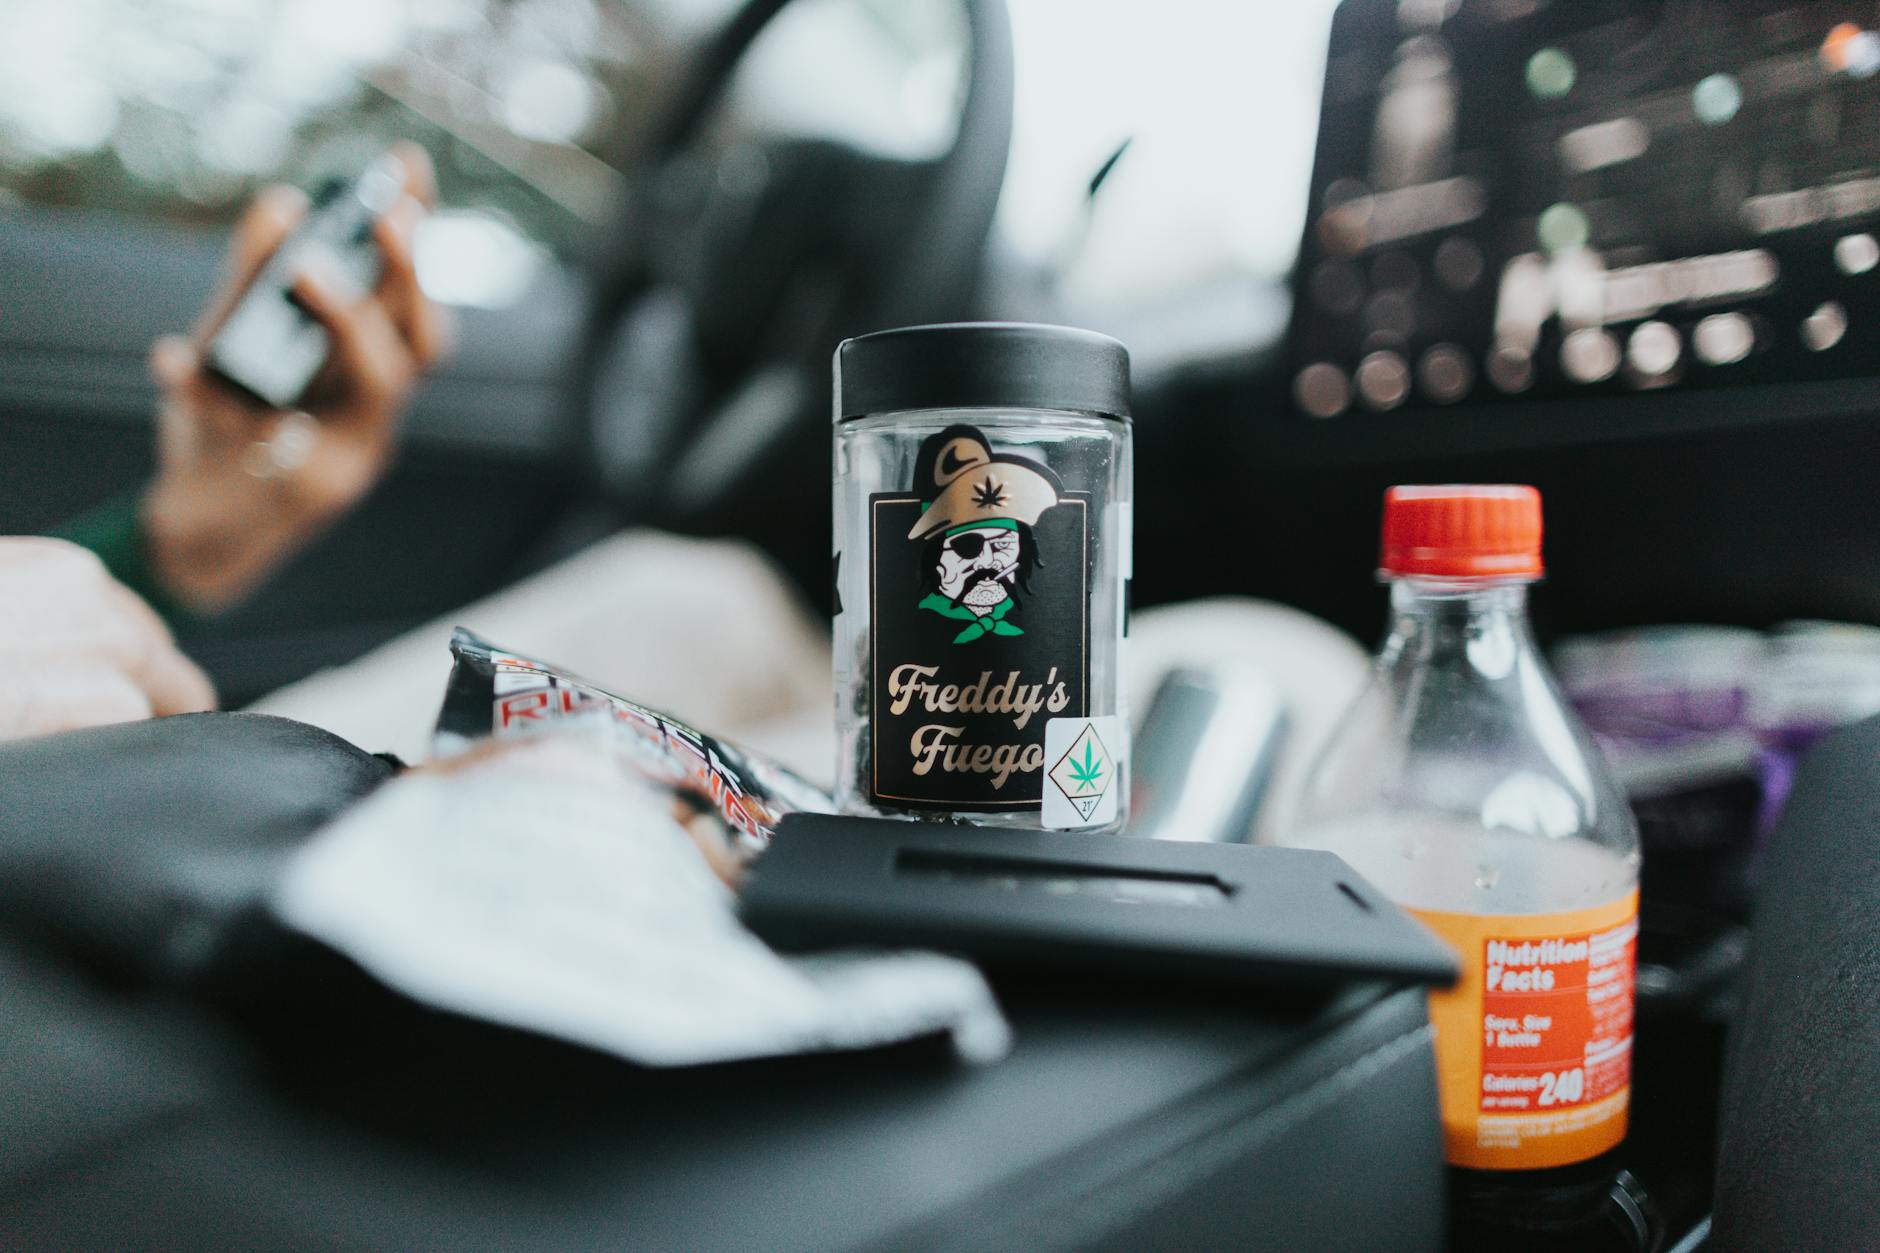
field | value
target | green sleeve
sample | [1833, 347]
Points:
[112, 531]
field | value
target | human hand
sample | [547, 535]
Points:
[78, 649]
[240, 486]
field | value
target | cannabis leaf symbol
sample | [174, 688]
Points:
[1088, 771]
[989, 495]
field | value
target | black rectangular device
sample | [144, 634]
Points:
[269, 346]
[1111, 904]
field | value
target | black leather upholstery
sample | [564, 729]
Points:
[140, 845]
[1799, 1151]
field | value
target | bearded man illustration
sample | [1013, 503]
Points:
[979, 549]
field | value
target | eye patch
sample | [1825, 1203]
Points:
[967, 547]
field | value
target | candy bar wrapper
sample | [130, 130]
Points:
[501, 694]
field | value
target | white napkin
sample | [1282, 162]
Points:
[540, 887]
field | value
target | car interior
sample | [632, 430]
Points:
[1618, 250]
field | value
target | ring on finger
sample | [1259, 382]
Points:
[286, 450]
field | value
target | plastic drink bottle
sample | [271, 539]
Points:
[1462, 786]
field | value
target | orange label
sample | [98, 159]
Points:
[1534, 1043]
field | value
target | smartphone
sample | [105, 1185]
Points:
[269, 345]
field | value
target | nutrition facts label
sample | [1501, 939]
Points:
[1556, 1025]
[1535, 1043]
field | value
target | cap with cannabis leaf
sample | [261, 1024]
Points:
[974, 487]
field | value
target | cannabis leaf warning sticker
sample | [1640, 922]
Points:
[1081, 788]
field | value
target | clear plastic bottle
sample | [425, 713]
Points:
[1465, 789]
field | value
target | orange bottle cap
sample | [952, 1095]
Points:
[1462, 530]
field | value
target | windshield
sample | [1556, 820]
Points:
[531, 110]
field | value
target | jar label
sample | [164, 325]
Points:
[979, 582]
[1534, 1043]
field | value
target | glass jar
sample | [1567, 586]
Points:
[982, 551]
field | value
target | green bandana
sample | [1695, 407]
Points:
[990, 524]
[977, 626]
[998, 524]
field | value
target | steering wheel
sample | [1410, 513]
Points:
[702, 390]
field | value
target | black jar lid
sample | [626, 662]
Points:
[982, 365]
